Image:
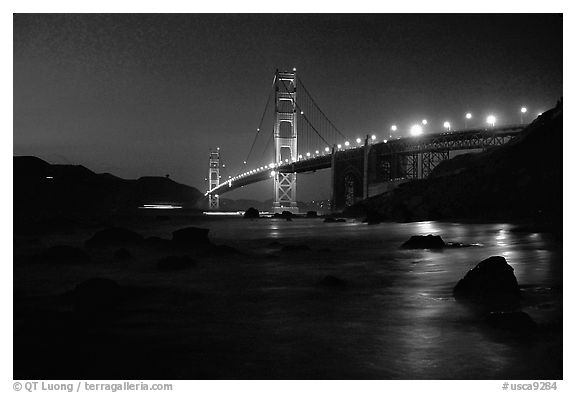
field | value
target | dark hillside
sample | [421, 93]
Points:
[42, 190]
[519, 180]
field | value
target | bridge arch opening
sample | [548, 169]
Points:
[285, 105]
[285, 130]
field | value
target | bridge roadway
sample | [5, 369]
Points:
[439, 142]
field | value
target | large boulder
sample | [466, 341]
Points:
[114, 237]
[252, 213]
[424, 242]
[191, 236]
[492, 281]
[312, 214]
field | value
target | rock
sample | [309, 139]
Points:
[251, 213]
[172, 263]
[515, 321]
[311, 214]
[295, 248]
[288, 218]
[424, 242]
[97, 294]
[64, 254]
[122, 254]
[191, 236]
[492, 281]
[286, 214]
[333, 282]
[114, 237]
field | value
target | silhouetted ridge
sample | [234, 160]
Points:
[42, 190]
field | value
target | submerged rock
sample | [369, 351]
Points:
[424, 242]
[172, 263]
[251, 213]
[191, 236]
[311, 214]
[492, 281]
[114, 237]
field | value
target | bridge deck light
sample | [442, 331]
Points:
[317, 152]
[468, 115]
[339, 146]
[424, 121]
[358, 140]
[273, 173]
[346, 143]
[326, 149]
[416, 130]
[271, 165]
[447, 125]
[308, 154]
[373, 137]
[491, 119]
[394, 128]
[523, 110]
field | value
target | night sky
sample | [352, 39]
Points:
[140, 95]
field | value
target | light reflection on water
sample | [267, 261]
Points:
[399, 319]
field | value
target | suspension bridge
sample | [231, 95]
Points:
[303, 139]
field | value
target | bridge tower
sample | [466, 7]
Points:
[214, 179]
[285, 141]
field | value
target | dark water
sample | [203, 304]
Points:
[398, 318]
[262, 314]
